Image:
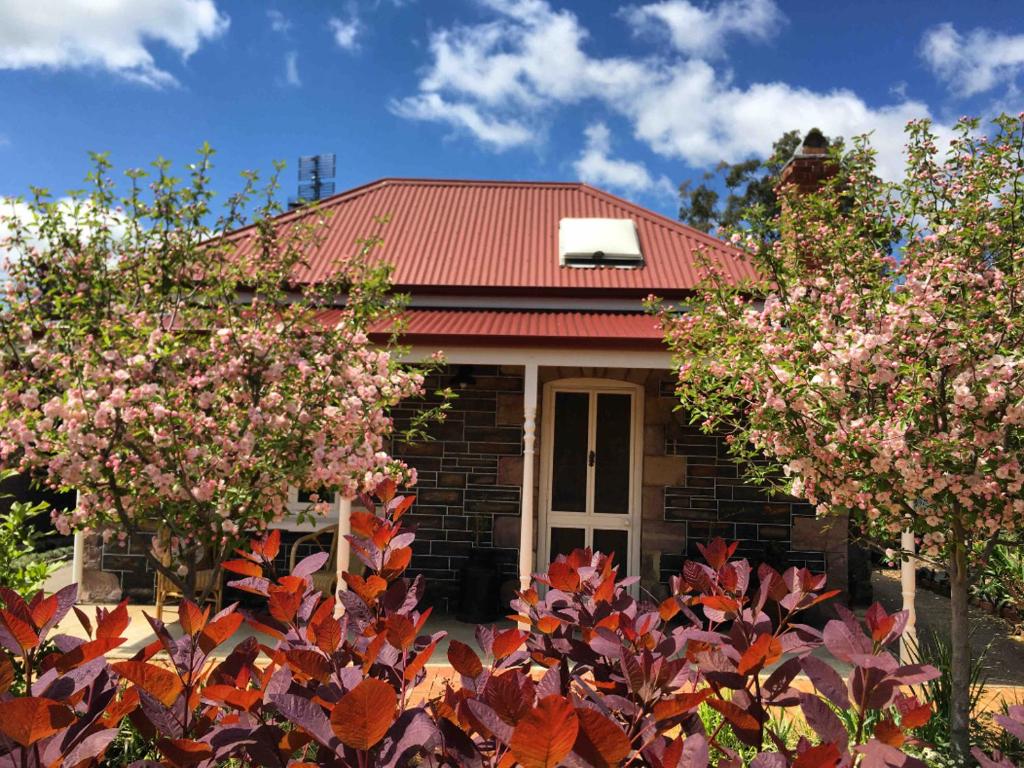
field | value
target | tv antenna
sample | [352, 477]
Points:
[316, 179]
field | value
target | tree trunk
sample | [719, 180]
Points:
[960, 661]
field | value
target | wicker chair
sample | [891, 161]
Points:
[168, 590]
[326, 578]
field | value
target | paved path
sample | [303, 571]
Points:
[1004, 662]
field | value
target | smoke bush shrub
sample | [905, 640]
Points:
[591, 676]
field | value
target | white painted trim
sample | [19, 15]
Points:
[633, 521]
[78, 554]
[546, 356]
[344, 509]
[526, 536]
[908, 582]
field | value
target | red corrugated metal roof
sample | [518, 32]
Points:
[502, 236]
[508, 328]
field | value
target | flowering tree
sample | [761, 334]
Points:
[877, 367]
[174, 368]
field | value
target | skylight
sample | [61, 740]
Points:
[598, 243]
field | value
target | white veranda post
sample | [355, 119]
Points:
[526, 507]
[908, 579]
[344, 528]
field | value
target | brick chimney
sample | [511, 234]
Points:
[810, 164]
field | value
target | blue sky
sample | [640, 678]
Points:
[631, 97]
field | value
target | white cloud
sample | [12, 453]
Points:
[702, 31]
[291, 69]
[976, 63]
[113, 35]
[596, 166]
[346, 32]
[493, 132]
[279, 22]
[501, 80]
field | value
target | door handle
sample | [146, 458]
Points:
[591, 458]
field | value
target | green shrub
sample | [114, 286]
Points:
[21, 569]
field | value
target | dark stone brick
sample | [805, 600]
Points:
[703, 531]
[480, 419]
[510, 435]
[421, 448]
[460, 548]
[773, 532]
[501, 449]
[493, 507]
[446, 496]
[753, 512]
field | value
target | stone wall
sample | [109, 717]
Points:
[470, 476]
[469, 492]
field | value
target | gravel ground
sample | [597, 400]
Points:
[1005, 660]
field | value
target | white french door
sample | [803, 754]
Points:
[591, 469]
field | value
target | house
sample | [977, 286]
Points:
[565, 432]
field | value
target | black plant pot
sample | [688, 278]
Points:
[480, 588]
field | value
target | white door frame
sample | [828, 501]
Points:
[630, 522]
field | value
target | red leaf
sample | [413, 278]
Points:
[386, 490]
[548, 624]
[506, 643]
[364, 714]
[271, 545]
[889, 733]
[20, 629]
[669, 607]
[117, 709]
[216, 632]
[764, 651]
[545, 736]
[464, 659]
[600, 742]
[242, 567]
[283, 603]
[666, 709]
[913, 713]
[191, 618]
[364, 524]
[240, 698]
[606, 591]
[721, 603]
[160, 683]
[43, 610]
[402, 507]
[563, 576]
[738, 718]
[86, 652]
[368, 589]
[6, 673]
[401, 632]
[419, 662]
[184, 752]
[308, 662]
[397, 562]
[114, 622]
[717, 553]
[821, 756]
[28, 720]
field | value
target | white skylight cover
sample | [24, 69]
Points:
[593, 242]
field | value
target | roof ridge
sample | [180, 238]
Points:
[658, 218]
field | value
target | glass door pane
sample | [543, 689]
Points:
[569, 465]
[609, 540]
[565, 540]
[612, 461]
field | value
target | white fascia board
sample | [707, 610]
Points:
[545, 356]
